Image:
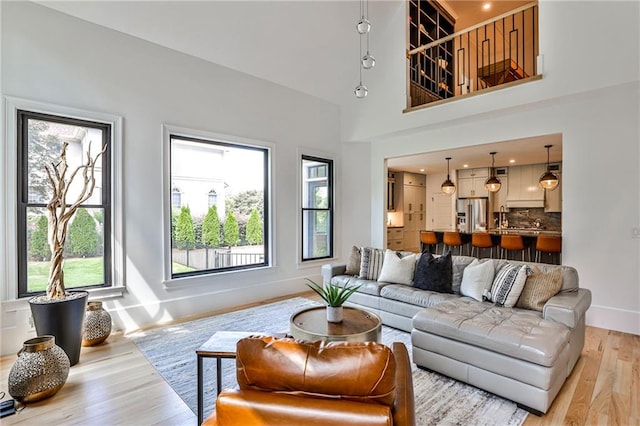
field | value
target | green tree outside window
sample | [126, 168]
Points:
[254, 228]
[38, 245]
[185, 233]
[211, 228]
[83, 235]
[231, 230]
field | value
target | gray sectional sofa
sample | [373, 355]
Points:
[520, 354]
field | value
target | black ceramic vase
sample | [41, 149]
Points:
[63, 319]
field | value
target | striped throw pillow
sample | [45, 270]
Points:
[508, 284]
[371, 263]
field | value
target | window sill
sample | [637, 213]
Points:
[316, 263]
[94, 294]
[205, 279]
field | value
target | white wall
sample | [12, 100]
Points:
[590, 93]
[51, 57]
[584, 46]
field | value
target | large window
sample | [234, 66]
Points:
[317, 208]
[220, 224]
[88, 246]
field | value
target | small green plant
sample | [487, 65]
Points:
[332, 294]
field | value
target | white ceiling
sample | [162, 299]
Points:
[521, 151]
[307, 45]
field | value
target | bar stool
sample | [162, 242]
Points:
[550, 245]
[428, 239]
[482, 240]
[452, 239]
[511, 242]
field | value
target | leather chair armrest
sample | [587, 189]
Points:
[255, 408]
[404, 412]
[331, 270]
[567, 308]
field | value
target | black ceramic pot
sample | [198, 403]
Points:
[62, 319]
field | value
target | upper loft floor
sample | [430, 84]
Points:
[461, 48]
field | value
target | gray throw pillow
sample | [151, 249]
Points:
[434, 274]
[353, 267]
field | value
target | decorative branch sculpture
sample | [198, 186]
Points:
[59, 213]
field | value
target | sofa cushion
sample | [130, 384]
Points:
[539, 288]
[459, 265]
[570, 279]
[476, 279]
[434, 273]
[517, 333]
[366, 286]
[414, 296]
[353, 266]
[508, 284]
[397, 269]
[371, 263]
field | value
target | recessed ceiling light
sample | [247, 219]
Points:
[422, 170]
[512, 161]
[465, 165]
[486, 6]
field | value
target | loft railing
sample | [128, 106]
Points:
[484, 56]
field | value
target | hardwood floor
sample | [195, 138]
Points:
[114, 384]
[604, 387]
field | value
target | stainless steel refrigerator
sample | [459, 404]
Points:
[472, 214]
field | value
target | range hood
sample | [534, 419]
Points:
[525, 203]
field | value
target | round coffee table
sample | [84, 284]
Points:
[357, 326]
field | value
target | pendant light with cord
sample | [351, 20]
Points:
[447, 186]
[493, 184]
[548, 180]
[366, 61]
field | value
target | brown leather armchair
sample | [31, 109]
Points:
[292, 382]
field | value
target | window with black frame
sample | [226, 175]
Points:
[88, 246]
[220, 221]
[317, 208]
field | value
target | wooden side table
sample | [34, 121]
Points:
[357, 326]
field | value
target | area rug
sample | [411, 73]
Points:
[439, 399]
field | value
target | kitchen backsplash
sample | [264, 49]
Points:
[525, 218]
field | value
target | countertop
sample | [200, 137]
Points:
[512, 231]
[527, 232]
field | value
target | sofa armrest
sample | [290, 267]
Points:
[567, 308]
[248, 407]
[330, 270]
[404, 412]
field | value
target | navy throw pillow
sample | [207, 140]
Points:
[434, 274]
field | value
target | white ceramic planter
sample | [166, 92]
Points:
[334, 313]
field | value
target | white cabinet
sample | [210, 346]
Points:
[414, 179]
[471, 182]
[414, 200]
[395, 238]
[413, 223]
[553, 199]
[524, 189]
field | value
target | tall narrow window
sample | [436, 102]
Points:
[176, 198]
[213, 198]
[227, 229]
[88, 248]
[317, 208]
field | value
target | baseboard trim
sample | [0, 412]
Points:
[623, 320]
